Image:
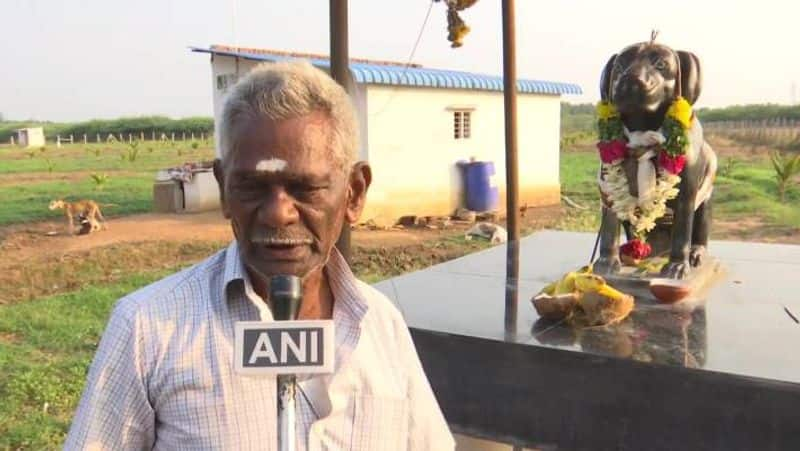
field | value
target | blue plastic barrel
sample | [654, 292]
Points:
[481, 195]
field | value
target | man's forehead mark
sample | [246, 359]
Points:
[271, 165]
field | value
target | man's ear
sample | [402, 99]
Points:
[360, 179]
[219, 174]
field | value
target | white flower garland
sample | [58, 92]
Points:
[641, 214]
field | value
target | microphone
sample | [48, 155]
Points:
[285, 294]
[284, 347]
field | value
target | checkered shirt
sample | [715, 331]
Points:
[163, 376]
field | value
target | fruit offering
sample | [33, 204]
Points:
[583, 299]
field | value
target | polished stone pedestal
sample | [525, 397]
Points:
[718, 372]
[699, 281]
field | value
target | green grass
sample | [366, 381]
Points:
[749, 191]
[27, 187]
[579, 175]
[79, 157]
[28, 202]
[46, 347]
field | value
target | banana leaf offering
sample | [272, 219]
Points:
[583, 299]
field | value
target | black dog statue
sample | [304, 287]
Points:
[641, 84]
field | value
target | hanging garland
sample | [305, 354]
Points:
[642, 212]
[456, 27]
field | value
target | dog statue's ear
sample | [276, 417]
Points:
[691, 77]
[605, 79]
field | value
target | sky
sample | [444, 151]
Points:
[66, 60]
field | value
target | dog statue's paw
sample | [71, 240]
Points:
[607, 265]
[676, 270]
[697, 254]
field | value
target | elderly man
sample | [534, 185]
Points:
[163, 376]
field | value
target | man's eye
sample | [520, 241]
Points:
[303, 191]
[247, 191]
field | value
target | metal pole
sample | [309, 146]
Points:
[340, 71]
[285, 296]
[512, 182]
[287, 385]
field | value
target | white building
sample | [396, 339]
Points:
[417, 123]
[30, 137]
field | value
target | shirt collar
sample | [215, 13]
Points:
[348, 299]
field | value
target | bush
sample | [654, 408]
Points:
[786, 169]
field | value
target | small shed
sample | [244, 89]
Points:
[30, 137]
[418, 123]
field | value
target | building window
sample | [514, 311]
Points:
[462, 124]
[224, 81]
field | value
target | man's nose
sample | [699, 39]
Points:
[277, 209]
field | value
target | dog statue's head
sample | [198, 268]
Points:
[56, 204]
[644, 78]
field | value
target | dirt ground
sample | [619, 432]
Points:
[25, 242]
[39, 259]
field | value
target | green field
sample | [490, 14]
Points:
[749, 191]
[46, 346]
[29, 180]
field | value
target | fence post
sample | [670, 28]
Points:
[153, 136]
[202, 136]
[141, 136]
[183, 136]
[58, 141]
[192, 136]
[98, 138]
[85, 141]
[12, 140]
[173, 137]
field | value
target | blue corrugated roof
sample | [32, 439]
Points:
[383, 74]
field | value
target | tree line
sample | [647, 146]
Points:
[104, 127]
[581, 117]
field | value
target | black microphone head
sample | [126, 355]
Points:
[285, 293]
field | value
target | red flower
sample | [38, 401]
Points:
[611, 151]
[673, 165]
[636, 249]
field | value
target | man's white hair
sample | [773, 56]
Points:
[289, 90]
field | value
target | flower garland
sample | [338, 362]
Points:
[642, 213]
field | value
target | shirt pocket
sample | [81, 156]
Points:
[380, 423]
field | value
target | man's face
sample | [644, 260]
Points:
[284, 195]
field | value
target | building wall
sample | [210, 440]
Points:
[407, 136]
[31, 137]
[230, 70]
[225, 70]
[413, 153]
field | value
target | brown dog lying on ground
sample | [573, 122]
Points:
[83, 210]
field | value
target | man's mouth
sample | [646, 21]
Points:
[282, 248]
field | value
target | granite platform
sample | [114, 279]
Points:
[718, 371]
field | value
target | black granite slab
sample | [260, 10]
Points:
[727, 358]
